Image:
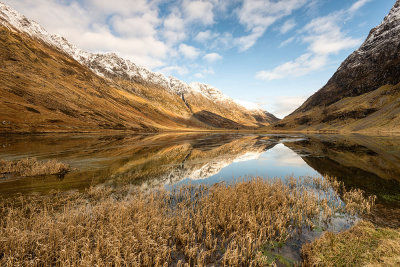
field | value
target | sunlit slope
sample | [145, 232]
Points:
[377, 111]
[49, 84]
[363, 94]
[45, 90]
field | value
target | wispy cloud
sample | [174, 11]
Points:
[198, 11]
[298, 67]
[188, 51]
[287, 26]
[205, 36]
[258, 15]
[204, 73]
[173, 70]
[357, 5]
[287, 41]
[212, 57]
[284, 105]
[324, 37]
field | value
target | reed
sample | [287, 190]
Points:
[32, 167]
[191, 225]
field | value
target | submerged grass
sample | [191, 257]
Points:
[362, 245]
[32, 167]
[192, 225]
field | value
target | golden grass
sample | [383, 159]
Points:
[33, 167]
[362, 245]
[369, 113]
[43, 90]
[192, 225]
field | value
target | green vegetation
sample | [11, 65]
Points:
[33, 167]
[193, 225]
[362, 245]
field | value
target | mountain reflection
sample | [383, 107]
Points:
[369, 163]
[145, 160]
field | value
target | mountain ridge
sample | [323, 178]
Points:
[363, 93]
[192, 106]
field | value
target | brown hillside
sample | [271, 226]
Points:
[45, 90]
[363, 95]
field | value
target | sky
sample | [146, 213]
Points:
[273, 53]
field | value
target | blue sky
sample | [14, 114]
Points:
[275, 53]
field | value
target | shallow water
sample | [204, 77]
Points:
[164, 160]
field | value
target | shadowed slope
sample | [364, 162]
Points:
[48, 84]
[363, 94]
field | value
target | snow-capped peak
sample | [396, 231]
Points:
[109, 65]
[209, 92]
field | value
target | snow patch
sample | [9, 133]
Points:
[110, 64]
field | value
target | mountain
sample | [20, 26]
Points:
[50, 85]
[364, 93]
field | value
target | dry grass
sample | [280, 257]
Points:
[33, 167]
[362, 245]
[222, 224]
[43, 90]
[371, 112]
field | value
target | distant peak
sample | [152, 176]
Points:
[110, 64]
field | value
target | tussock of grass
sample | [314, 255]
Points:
[362, 245]
[193, 225]
[32, 167]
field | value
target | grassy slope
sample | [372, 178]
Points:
[362, 245]
[45, 90]
[376, 111]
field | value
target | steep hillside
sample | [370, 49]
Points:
[363, 94]
[48, 84]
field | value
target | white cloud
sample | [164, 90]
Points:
[140, 27]
[188, 51]
[204, 72]
[216, 40]
[122, 7]
[199, 75]
[298, 67]
[245, 42]
[205, 36]
[258, 15]
[212, 57]
[198, 11]
[287, 41]
[357, 5]
[247, 104]
[324, 37]
[92, 25]
[287, 26]
[173, 69]
[284, 105]
[174, 28]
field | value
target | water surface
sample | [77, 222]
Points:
[164, 160]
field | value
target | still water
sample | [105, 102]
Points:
[166, 160]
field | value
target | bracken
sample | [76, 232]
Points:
[33, 167]
[191, 225]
